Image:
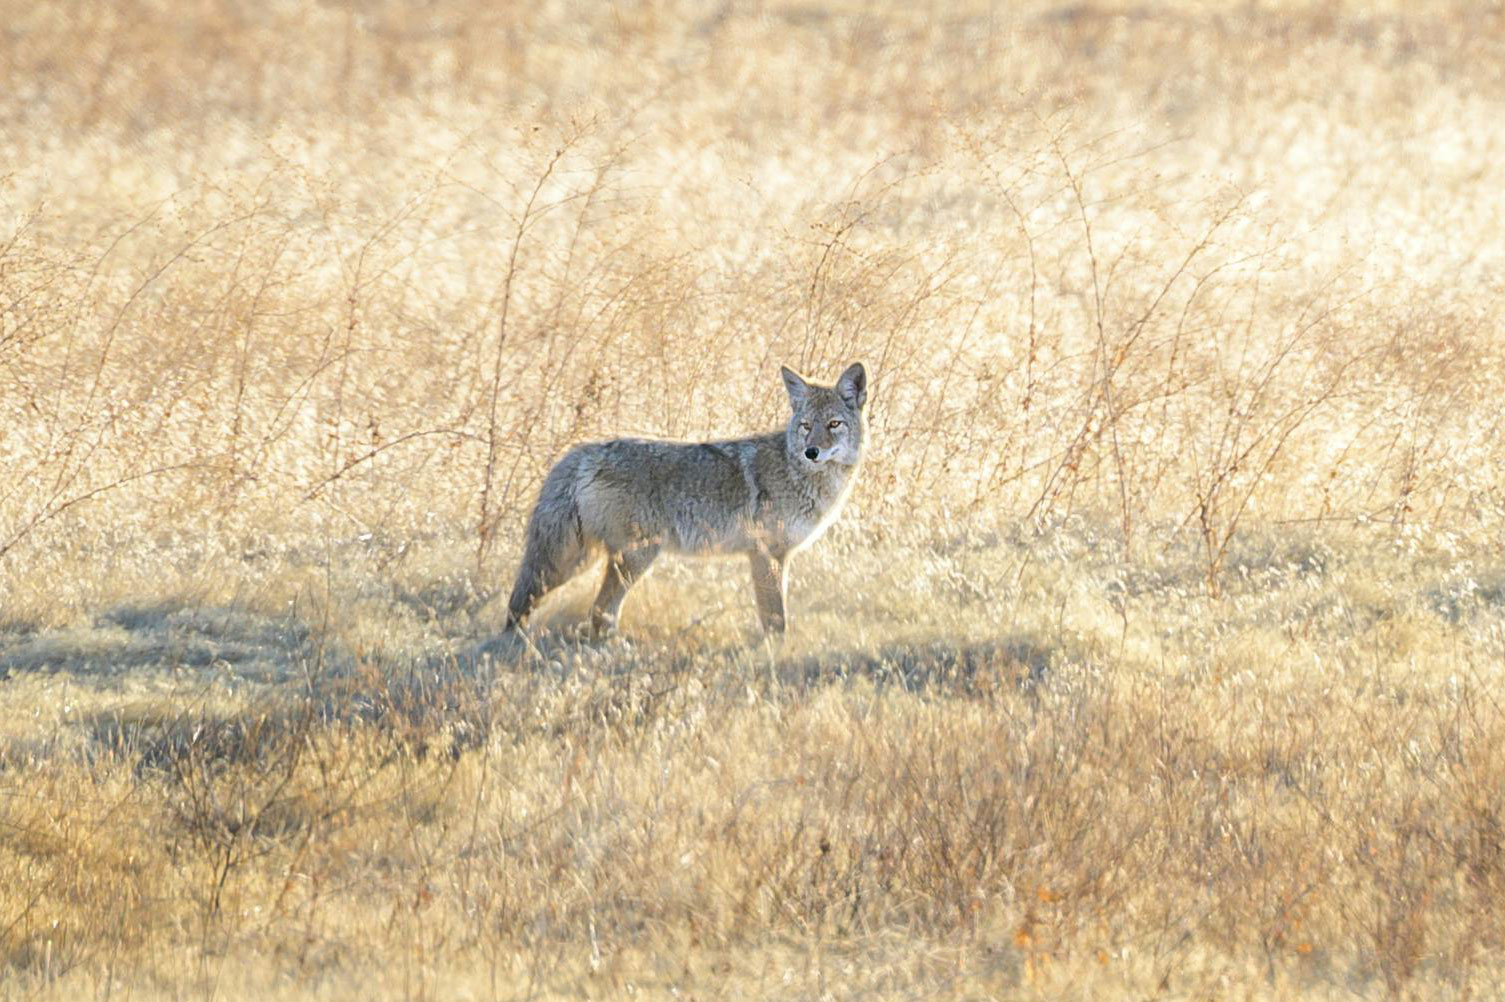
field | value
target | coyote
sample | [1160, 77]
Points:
[632, 498]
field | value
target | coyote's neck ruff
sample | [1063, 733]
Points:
[633, 498]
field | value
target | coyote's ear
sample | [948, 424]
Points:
[852, 386]
[796, 385]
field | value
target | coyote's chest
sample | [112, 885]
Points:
[799, 521]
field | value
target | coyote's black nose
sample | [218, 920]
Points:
[812, 453]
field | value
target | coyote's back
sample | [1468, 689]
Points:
[631, 499]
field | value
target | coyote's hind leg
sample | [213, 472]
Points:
[549, 560]
[622, 571]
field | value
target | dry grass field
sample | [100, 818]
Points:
[1159, 654]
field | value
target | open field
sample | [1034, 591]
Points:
[1159, 654]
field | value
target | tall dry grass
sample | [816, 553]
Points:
[1156, 655]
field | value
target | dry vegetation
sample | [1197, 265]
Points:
[1158, 656]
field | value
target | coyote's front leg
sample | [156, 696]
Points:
[768, 574]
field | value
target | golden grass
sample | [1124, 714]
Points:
[1157, 654]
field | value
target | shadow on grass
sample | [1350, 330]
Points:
[442, 702]
[960, 669]
[165, 637]
[417, 712]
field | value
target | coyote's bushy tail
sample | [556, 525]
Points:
[556, 545]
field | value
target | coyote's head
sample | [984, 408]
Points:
[826, 426]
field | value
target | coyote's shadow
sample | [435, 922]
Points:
[297, 676]
[234, 644]
[961, 668]
[238, 645]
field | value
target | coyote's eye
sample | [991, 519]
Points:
[804, 426]
[835, 424]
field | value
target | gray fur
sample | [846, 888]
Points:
[633, 498]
